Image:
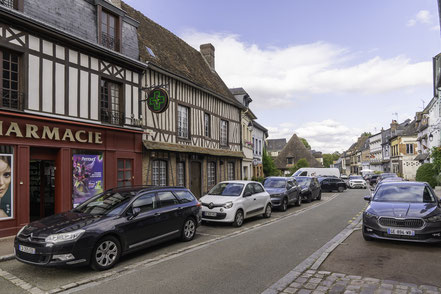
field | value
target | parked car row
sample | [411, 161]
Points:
[122, 220]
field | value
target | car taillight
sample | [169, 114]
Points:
[198, 204]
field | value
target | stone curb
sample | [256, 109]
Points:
[314, 261]
[7, 257]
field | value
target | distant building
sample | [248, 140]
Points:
[274, 146]
[259, 134]
[403, 151]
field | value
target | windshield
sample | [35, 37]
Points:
[274, 183]
[227, 189]
[404, 193]
[388, 176]
[303, 181]
[107, 203]
[355, 178]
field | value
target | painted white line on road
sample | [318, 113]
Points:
[108, 276]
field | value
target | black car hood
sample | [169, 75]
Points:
[403, 209]
[60, 223]
[273, 191]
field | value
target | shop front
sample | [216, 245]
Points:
[50, 165]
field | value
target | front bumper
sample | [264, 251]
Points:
[46, 254]
[276, 202]
[429, 233]
[220, 214]
[354, 186]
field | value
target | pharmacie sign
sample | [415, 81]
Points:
[158, 100]
[32, 131]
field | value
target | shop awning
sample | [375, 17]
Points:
[150, 145]
[421, 157]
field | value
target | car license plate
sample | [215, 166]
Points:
[210, 213]
[26, 249]
[400, 232]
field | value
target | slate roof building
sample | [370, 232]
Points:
[293, 151]
[196, 141]
[274, 146]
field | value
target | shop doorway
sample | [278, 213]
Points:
[42, 184]
[195, 179]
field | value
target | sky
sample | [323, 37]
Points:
[325, 70]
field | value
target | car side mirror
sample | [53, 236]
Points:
[367, 198]
[247, 194]
[133, 212]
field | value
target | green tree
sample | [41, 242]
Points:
[269, 168]
[329, 159]
[305, 143]
[436, 159]
[366, 134]
[301, 163]
[427, 173]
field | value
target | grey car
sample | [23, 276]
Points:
[407, 211]
[283, 191]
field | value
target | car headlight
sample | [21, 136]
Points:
[228, 205]
[304, 190]
[21, 230]
[370, 215]
[57, 238]
[275, 195]
[434, 219]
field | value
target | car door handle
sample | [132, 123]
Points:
[157, 214]
[255, 199]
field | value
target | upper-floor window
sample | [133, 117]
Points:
[182, 121]
[109, 31]
[111, 103]
[9, 76]
[207, 125]
[289, 160]
[409, 148]
[224, 133]
[13, 4]
[260, 147]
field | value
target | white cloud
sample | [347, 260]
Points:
[277, 77]
[327, 136]
[422, 17]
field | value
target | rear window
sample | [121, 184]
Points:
[274, 183]
[184, 196]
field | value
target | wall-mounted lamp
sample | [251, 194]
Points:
[431, 137]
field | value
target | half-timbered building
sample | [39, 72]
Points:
[195, 139]
[69, 109]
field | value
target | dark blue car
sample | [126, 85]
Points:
[113, 223]
[403, 211]
[283, 192]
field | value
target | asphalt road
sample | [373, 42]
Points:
[248, 262]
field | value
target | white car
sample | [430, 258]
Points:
[357, 182]
[234, 201]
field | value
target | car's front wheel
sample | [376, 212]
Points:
[238, 219]
[341, 189]
[106, 253]
[319, 197]
[188, 230]
[268, 211]
[284, 206]
[299, 200]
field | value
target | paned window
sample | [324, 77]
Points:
[409, 148]
[9, 76]
[8, 3]
[110, 103]
[109, 31]
[211, 170]
[230, 171]
[207, 124]
[182, 121]
[180, 168]
[289, 160]
[159, 174]
[260, 147]
[125, 172]
[224, 133]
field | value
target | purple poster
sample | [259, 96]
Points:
[87, 177]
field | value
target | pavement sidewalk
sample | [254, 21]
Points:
[310, 278]
[7, 248]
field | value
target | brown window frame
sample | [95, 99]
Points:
[102, 12]
[123, 170]
[221, 143]
[16, 103]
[14, 4]
[114, 116]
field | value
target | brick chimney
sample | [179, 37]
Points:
[393, 125]
[207, 50]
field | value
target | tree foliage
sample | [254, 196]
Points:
[269, 168]
[427, 173]
[366, 134]
[301, 163]
[305, 143]
[436, 159]
[329, 159]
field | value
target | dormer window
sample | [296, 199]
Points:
[13, 4]
[109, 31]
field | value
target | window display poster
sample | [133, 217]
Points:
[87, 177]
[6, 185]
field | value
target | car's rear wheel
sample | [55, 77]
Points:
[106, 253]
[309, 198]
[268, 211]
[188, 230]
[341, 189]
[238, 219]
[284, 206]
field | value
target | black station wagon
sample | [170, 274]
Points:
[116, 222]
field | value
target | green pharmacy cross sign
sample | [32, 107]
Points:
[158, 100]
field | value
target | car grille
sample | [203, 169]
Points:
[212, 206]
[401, 223]
[31, 238]
[35, 258]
